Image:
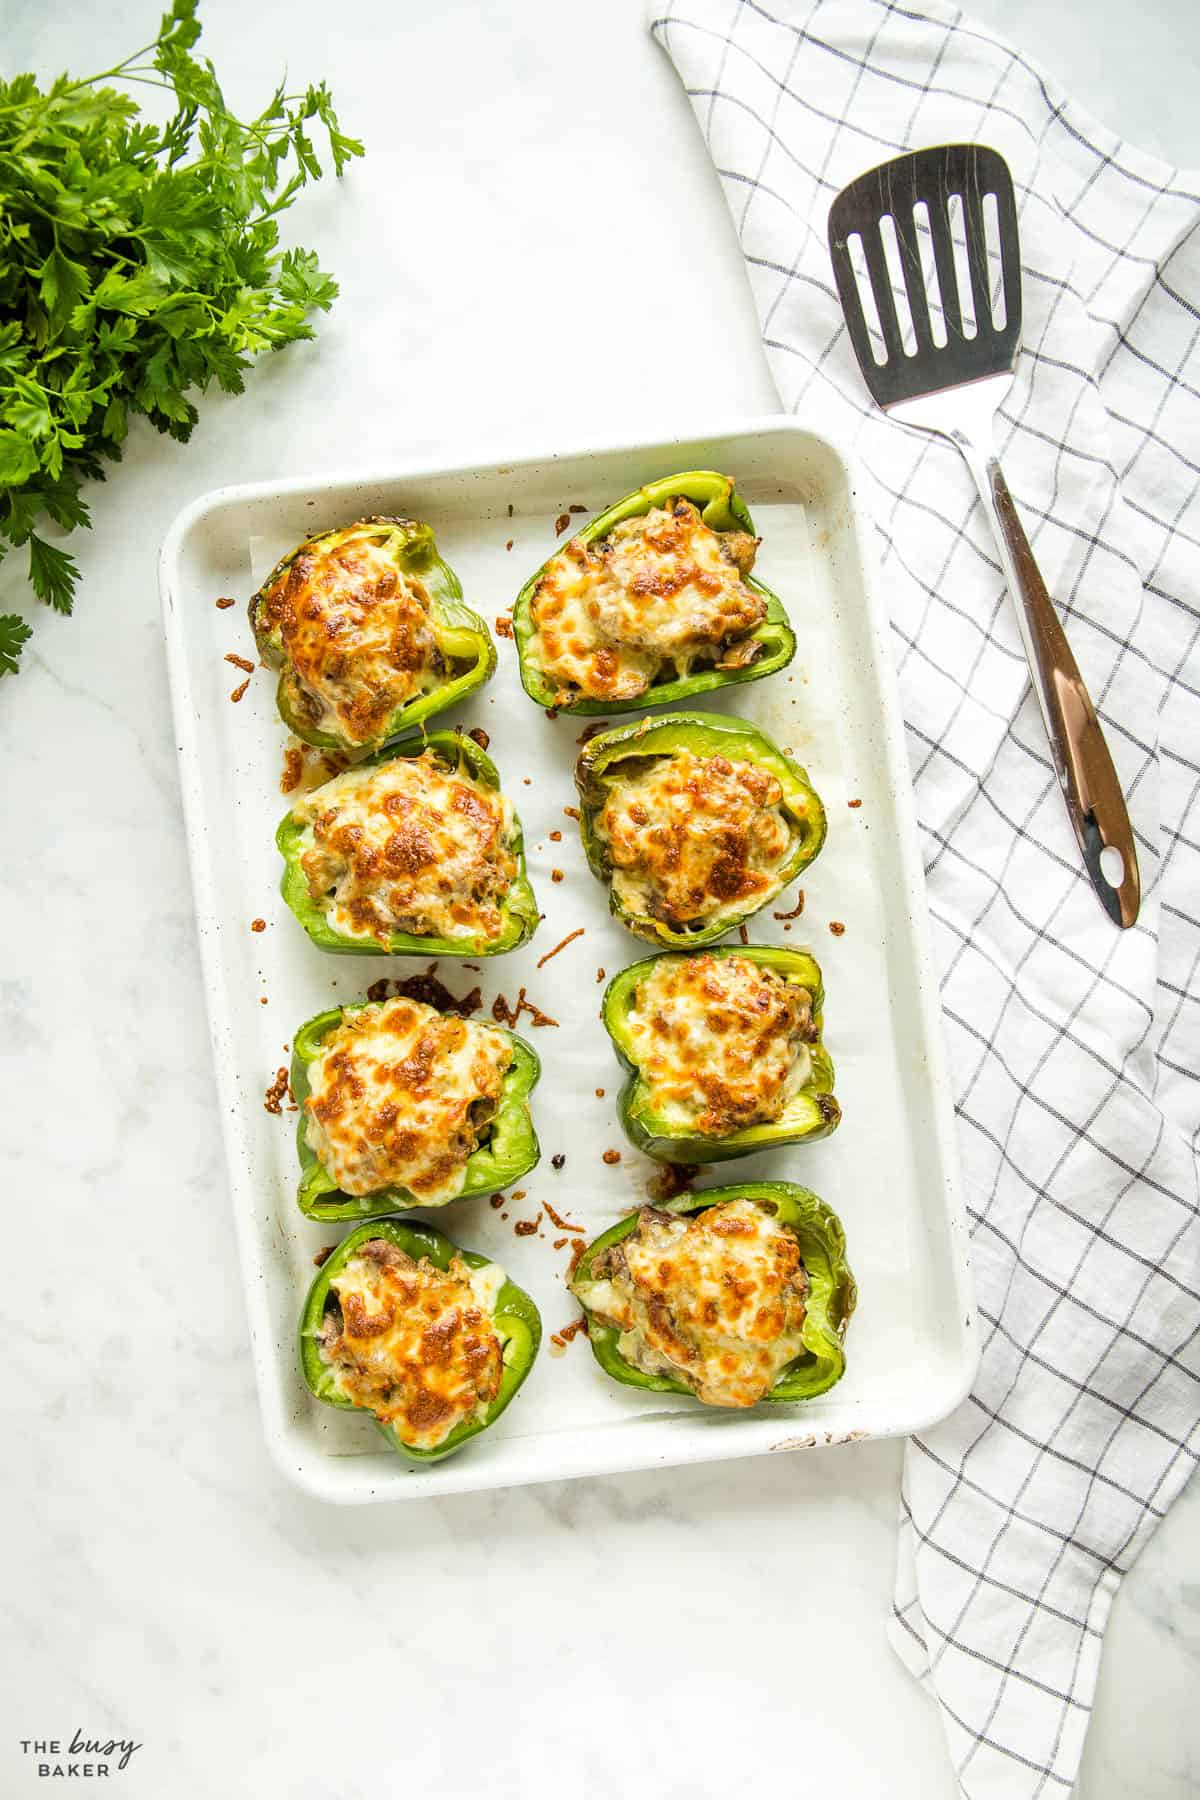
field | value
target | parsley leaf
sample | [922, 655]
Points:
[14, 634]
[52, 574]
[140, 265]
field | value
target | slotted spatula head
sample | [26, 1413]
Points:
[940, 358]
[915, 192]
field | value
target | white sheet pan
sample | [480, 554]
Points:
[890, 1171]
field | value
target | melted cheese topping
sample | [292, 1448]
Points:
[399, 1097]
[414, 1344]
[355, 630]
[657, 595]
[408, 846]
[716, 1300]
[692, 839]
[720, 1042]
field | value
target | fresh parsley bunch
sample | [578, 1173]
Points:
[138, 263]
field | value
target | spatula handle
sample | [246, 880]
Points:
[1095, 803]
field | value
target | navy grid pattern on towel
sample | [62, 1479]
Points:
[1074, 1047]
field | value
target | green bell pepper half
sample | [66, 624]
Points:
[831, 1300]
[463, 640]
[704, 734]
[518, 908]
[810, 1114]
[722, 509]
[510, 1150]
[516, 1321]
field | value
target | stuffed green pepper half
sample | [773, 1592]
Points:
[413, 852]
[733, 1296]
[402, 1105]
[431, 1340]
[724, 1053]
[368, 629]
[694, 821]
[651, 602]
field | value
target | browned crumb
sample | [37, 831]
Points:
[240, 662]
[556, 837]
[569, 939]
[504, 1014]
[496, 1202]
[558, 1161]
[557, 875]
[600, 974]
[743, 934]
[479, 736]
[525, 781]
[561, 523]
[577, 508]
[611, 1157]
[262, 1000]
[322, 1256]
[293, 769]
[527, 1227]
[571, 812]
[560, 1339]
[510, 510]
[557, 1219]
[258, 924]
[670, 1179]
[559, 1242]
[576, 1256]
[518, 1193]
[429, 990]
[225, 602]
[273, 1098]
[509, 544]
[599, 1093]
[854, 803]
[239, 692]
[836, 926]
[796, 910]
[504, 627]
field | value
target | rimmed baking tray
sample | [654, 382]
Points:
[890, 1171]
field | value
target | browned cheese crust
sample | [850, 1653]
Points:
[408, 846]
[410, 1343]
[656, 596]
[692, 837]
[400, 1095]
[720, 1042]
[355, 630]
[715, 1300]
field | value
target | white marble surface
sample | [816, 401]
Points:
[166, 1584]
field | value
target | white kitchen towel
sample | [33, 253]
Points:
[1073, 1046]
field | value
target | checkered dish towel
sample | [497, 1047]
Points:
[1074, 1046]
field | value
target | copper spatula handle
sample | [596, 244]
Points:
[1095, 803]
